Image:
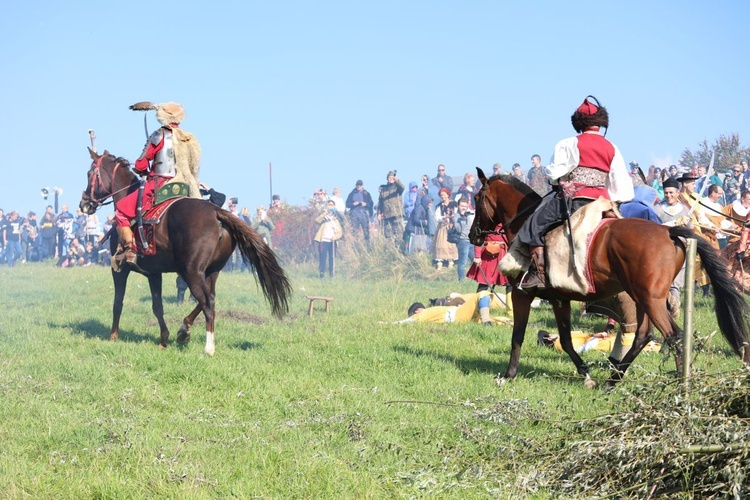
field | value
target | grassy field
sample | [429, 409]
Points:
[337, 405]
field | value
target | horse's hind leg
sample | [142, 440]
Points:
[157, 307]
[183, 334]
[202, 288]
[562, 316]
[654, 309]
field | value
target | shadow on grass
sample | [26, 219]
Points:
[95, 329]
[469, 365]
[466, 365]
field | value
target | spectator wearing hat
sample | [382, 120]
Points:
[584, 168]
[360, 206]
[276, 205]
[690, 198]
[391, 206]
[497, 169]
[674, 213]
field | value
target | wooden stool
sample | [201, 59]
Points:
[313, 298]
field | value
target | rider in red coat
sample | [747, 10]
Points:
[157, 162]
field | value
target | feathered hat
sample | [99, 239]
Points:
[168, 113]
[589, 115]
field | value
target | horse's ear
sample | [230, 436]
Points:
[105, 153]
[481, 176]
[93, 154]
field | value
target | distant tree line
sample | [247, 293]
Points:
[729, 151]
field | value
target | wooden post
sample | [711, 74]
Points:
[687, 342]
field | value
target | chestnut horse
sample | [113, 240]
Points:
[637, 256]
[195, 239]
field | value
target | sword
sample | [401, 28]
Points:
[565, 201]
[705, 184]
[139, 215]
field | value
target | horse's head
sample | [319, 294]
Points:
[503, 199]
[102, 180]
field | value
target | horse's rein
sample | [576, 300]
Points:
[502, 232]
[96, 180]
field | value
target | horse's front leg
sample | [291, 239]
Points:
[157, 306]
[521, 309]
[561, 309]
[120, 281]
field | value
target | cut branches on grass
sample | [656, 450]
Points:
[337, 404]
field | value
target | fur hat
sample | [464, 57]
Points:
[589, 115]
[671, 183]
[170, 113]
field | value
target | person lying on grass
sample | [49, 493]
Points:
[472, 307]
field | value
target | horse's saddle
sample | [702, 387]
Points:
[164, 197]
[564, 272]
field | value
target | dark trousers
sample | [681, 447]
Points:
[326, 254]
[361, 219]
[550, 214]
[392, 227]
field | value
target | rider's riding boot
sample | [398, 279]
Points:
[536, 277]
[125, 252]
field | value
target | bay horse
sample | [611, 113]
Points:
[194, 238]
[637, 256]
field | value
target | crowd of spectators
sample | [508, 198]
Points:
[438, 210]
[63, 238]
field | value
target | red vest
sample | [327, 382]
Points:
[596, 152]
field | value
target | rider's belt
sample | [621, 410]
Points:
[588, 176]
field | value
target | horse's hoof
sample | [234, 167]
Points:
[183, 335]
[113, 336]
[162, 346]
[502, 380]
[210, 351]
[589, 383]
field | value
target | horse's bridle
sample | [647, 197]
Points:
[96, 182]
[483, 200]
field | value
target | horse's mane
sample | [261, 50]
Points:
[516, 184]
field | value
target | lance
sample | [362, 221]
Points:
[705, 184]
[92, 137]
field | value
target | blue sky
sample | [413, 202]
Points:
[332, 92]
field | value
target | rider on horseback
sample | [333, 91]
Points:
[170, 154]
[584, 168]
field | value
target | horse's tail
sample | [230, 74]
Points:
[273, 280]
[731, 308]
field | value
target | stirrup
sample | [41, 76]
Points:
[531, 281]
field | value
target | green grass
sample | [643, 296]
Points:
[336, 405]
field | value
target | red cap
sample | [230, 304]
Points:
[587, 108]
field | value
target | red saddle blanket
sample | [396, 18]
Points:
[151, 217]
